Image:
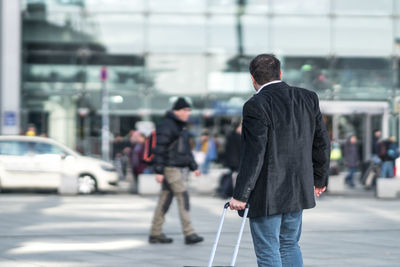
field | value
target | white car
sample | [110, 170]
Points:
[43, 163]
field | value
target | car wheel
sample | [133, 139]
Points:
[86, 184]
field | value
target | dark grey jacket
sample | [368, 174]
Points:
[351, 156]
[173, 146]
[285, 151]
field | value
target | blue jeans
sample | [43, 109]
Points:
[387, 169]
[276, 239]
[349, 177]
[205, 168]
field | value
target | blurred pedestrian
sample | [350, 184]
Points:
[232, 148]
[136, 158]
[375, 146]
[172, 160]
[284, 162]
[120, 154]
[232, 161]
[336, 157]
[207, 146]
[31, 130]
[388, 153]
[351, 159]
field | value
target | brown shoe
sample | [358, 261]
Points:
[162, 239]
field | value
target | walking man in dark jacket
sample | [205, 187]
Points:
[172, 159]
[284, 163]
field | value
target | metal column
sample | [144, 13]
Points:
[10, 66]
[367, 137]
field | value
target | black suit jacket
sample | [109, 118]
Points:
[285, 151]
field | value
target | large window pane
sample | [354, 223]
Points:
[255, 34]
[44, 7]
[52, 6]
[308, 72]
[120, 34]
[301, 7]
[232, 6]
[192, 6]
[222, 6]
[172, 34]
[362, 78]
[115, 6]
[222, 34]
[363, 36]
[363, 7]
[178, 74]
[68, 27]
[300, 36]
[257, 7]
[397, 36]
[222, 79]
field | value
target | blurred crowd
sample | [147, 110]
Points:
[128, 153]
[380, 164]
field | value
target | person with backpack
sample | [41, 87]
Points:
[138, 165]
[172, 161]
[388, 152]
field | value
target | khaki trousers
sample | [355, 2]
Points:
[174, 185]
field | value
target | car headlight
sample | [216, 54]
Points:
[108, 168]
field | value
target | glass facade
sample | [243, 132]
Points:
[157, 49]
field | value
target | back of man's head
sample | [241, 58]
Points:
[265, 68]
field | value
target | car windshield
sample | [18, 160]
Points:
[14, 148]
[45, 148]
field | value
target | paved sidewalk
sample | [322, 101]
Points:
[206, 185]
[112, 230]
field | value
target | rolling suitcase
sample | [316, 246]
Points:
[236, 250]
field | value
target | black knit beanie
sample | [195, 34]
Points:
[180, 103]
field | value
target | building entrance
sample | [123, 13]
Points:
[346, 118]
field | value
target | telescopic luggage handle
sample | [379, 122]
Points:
[235, 252]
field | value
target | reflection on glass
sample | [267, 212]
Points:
[115, 5]
[340, 78]
[174, 34]
[120, 34]
[255, 34]
[222, 6]
[301, 36]
[301, 7]
[363, 36]
[363, 7]
[222, 34]
[178, 74]
[14, 148]
[192, 6]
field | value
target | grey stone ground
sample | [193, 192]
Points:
[354, 229]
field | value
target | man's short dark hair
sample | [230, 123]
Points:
[265, 68]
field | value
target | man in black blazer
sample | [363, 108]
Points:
[284, 162]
